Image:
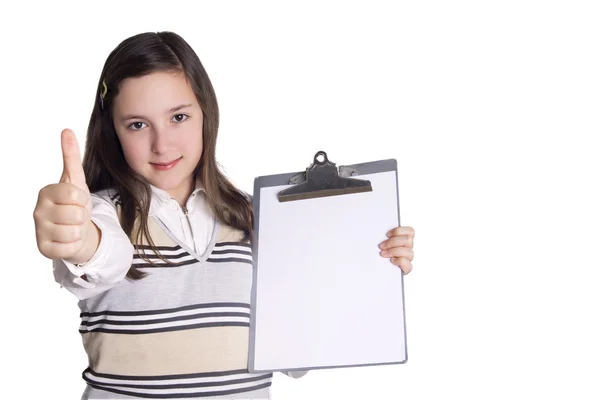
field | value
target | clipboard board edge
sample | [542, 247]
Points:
[386, 165]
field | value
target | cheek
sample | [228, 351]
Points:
[134, 153]
[192, 140]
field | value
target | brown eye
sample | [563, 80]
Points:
[136, 126]
[178, 119]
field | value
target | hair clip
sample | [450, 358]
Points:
[103, 94]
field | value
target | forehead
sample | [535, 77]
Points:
[157, 91]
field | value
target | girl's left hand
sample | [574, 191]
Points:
[399, 247]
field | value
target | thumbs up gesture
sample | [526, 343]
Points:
[63, 211]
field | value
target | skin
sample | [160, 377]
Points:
[62, 214]
[151, 130]
[399, 247]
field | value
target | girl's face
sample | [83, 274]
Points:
[159, 124]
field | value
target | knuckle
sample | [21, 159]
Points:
[40, 243]
[37, 214]
[44, 197]
[40, 214]
[44, 192]
[42, 235]
[48, 250]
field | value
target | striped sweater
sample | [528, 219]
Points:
[180, 332]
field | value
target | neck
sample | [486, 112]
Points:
[183, 191]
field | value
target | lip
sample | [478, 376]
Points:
[165, 166]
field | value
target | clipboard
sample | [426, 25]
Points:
[322, 295]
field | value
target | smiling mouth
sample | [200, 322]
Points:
[167, 165]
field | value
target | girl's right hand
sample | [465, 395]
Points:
[63, 211]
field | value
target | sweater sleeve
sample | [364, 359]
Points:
[110, 262]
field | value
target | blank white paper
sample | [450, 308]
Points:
[324, 295]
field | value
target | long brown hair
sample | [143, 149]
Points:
[104, 163]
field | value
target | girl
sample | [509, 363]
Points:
[153, 239]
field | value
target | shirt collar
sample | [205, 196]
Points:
[161, 198]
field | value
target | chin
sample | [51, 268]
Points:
[165, 185]
[168, 184]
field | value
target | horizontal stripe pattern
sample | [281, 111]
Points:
[153, 321]
[180, 386]
[144, 341]
[176, 256]
[231, 251]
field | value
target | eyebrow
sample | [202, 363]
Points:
[177, 108]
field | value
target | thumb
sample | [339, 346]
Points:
[72, 168]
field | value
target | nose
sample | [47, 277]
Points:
[160, 142]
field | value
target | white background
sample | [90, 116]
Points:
[490, 108]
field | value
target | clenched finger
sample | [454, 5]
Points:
[404, 252]
[65, 233]
[402, 230]
[403, 263]
[397, 241]
[69, 215]
[68, 194]
[55, 250]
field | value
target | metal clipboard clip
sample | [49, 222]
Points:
[322, 179]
